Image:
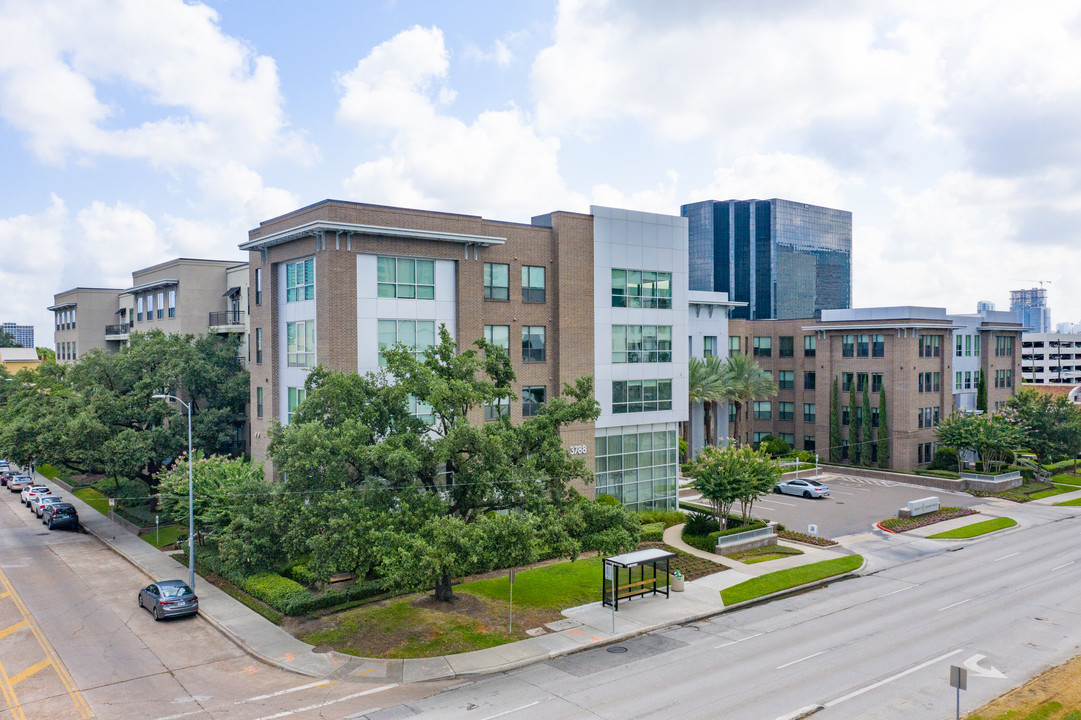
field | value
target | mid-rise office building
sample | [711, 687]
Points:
[1051, 358]
[1030, 309]
[784, 259]
[924, 361]
[568, 295]
[23, 335]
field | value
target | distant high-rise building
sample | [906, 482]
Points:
[1068, 328]
[785, 259]
[22, 334]
[984, 306]
[1030, 307]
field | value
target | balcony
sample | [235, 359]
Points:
[227, 321]
[118, 331]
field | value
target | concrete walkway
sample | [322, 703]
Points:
[1061, 497]
[583, 627]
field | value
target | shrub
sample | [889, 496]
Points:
[701, 542]
[939, 473]
[668, 517]
[278, 592]
[653, 532]
[899, 525]
[944, 459]
[775, 446]
[302, 575]
[805, 538]
[700, 524]
[608, 500]
[332, 598]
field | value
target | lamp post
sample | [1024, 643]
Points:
[191, 494]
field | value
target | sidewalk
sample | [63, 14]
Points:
[584, 626]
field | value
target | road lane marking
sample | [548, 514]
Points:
[955, 604]
[776, 502]
[514, 710]
[17, 626]
[891, 678]
[897, 591]
[782, 667]
[186, 714]
[751, 637]
[1062, 566]
[33, 669]
[1007, 556]
[317, 706]
[309, 686]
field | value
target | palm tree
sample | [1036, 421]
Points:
[706, 386]
[744, 380]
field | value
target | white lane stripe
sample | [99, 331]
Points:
[174, 717]
[1062, 566]
[775, 502]
[782, 667]
[955, 604]
[287, 713]
[309, 686]
[897, 591]
[890, 679]
[1007, 556]
[513, 710]
[738, 641]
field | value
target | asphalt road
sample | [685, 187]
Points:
[879, 646]
[74, 644]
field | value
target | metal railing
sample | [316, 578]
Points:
[226, 317]
[121, 329]
[734, 538]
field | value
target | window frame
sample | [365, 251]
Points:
[531, 353]
[492, 290]
[299, 288]
[532, 293]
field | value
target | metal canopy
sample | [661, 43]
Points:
[633, 559]
[231, 291]
[616, 586]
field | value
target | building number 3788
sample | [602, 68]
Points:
[577, 449]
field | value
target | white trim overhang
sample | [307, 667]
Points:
[154, 284]
[319, 227]
[62, 306]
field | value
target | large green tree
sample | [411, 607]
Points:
[958, 432]
[744, 380]
[736, 473]
[1051, 425]
[854, 439]
[7, 341]
[706, 385]
[981, 393]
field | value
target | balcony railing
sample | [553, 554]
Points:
[121, 329]
[226, 317]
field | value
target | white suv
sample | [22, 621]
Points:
[31, 491]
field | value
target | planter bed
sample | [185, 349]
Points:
[900, 525]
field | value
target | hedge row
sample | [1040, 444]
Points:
[668, 517]
[291, 598]
[653, 532]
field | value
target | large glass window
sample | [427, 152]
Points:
[930, 345]
[496, 281]
[421, 410]
[532, 284]
[496, 408]
[763, 409]
[629, 396]
[172, 303]
[296, 396]
[300, 343]
[785, 346]
[416, 334]
[762, 346]
[641, 289]
[1003, 345]
[786, 379]
[498, 335]
[300, 280]
[810, 342]
[786, 410]
[405, 278]
[641, 343]
[533, 343]
[533, 398]
[638, 466]
[258, 345]
[878, 346]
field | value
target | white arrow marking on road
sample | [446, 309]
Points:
[973, 665]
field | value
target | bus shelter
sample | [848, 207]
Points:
[635, 574]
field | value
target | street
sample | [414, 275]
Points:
[74, 644]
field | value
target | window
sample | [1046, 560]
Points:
[300, 280]
[532, 399]
[960, 345]
[876, 382]
[863, 345]
[300, 344]
[532, 284]
[788, 438]
[968, 380]
[968, 346]
[258, 345]
[809, 380]
[258, 402]
[296, 396]
[420, 410]
[498, 335]
[497, 408]
[925, 452]
[878, 346]
[733, 345]
[976, 345]
[641, 289]
[936, 414]
[637, 468]
[957, 380]
[533, 343]
[786, 410]
[408, 278]
[844, 414]
[929, 382]
[258, 286]
[416, 334]
[809, 442]
[629, 396]
[1003, 345]
[848, 346]
[172, 303]
[760, 436]
[150, 306]
[709, 346]
[732, 413]
[930, 346]
[786, 379]
[641, 343]
[496, 281]
[808, 412]
[161, 305]
[861, 381]
[763, 410]
[785, 346]
[809, 343]
[844, 449]
[763, 346]
[859, 415]
[874, 417]
[846, 381]
[139, 308]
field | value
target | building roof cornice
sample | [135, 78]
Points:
[322, 227]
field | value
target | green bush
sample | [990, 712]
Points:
[653, 532]
[939, 473]
[1060, 465]
[278, 592]
[944, 459]
[608, 500]
[335, 597]
[699, 523]
[668, 517]
[302, 575]
[701, 542]
[775, 446]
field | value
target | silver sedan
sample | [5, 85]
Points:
[805, 488]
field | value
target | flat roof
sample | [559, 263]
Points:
[638, 557]
[317, 226]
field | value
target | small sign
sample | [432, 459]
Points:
[958, 677]
[607, 571]
[812, 530]
[512, 576]
[112, 502]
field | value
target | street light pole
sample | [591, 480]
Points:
[191, 495]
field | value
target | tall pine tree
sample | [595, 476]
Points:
[866, 432]
[853, 426]
[883, 431]
[835, 424]
[981, 393]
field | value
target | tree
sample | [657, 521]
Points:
[959, 432]
[853, 426]
[981, 393]
[706, 385]
[866, 431]
[744, 380]
[7, 341]
[1051, 425]
[835, 424]
[730, 474]
[220, 484]
[883, 431]
[996, 439]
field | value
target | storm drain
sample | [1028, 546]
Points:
[599, 659]
[616, 649]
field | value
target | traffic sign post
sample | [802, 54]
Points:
[959, 680]
[512, 600]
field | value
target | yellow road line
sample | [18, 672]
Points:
[36, 667]
[14, 628]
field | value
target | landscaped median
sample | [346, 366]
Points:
[900, 525]
[975, 529]
[785, 579]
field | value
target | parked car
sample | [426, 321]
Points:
[806, 488]
[4, 466]
[31, 491]
[38, 504]
[169, 598]
[19, 482]
[5, 476]
[61, 515]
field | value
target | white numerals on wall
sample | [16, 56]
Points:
[577, 449]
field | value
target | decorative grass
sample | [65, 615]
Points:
[975, 529]
[94, 499]
[805, 538]
[785, 579]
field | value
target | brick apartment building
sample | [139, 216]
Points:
[928, 363]
[569, 295]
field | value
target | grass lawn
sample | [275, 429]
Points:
[48, 471]
[552, 587]
[1056, 490]
[94, 499]
[762, 554]
[980, 528]
[784, 579]
[1066, 479]
[1054, 695]
[1069, 503]
[169, 536]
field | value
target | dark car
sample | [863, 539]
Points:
[61, 515]
[169, 598]
[5, 476]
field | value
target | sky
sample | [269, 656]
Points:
[135, 131]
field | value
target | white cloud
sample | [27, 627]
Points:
[773, 175]
[111, 241]
[500, 54]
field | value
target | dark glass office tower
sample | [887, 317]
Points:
[786, 260]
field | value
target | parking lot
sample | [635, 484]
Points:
[854, 505]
